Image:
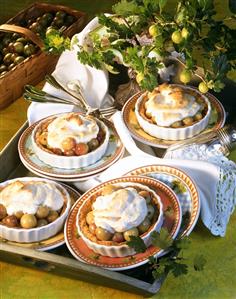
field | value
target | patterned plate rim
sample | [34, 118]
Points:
[54, 241]
[69, 180]
[70, 234]
[195, 211]
[107, 163]
[166, 143]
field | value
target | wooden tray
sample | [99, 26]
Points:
[59, 261]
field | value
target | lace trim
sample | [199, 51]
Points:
[225, 196]
[226, 187]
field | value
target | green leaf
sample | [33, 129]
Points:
[178, 269]
[182, 243]
[159, 271]
[152, 6]
[220, 64]
[137, 244]
[178, 186]
[199, 262]
[162, 4]
[126, 8]
[204, 4]
[162, 239]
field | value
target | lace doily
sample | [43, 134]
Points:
[226, 188]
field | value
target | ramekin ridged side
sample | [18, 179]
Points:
[36, 234]
[123, 249]
[69, 162]
[173, 133]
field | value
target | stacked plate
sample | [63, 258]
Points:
[181, 212]
[114, 152]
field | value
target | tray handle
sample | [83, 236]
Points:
[28, 33]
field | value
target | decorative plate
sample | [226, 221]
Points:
[217, 120]
[67, 180]
[54, 241]
[183, 187]
[28, 156]
[172, 222]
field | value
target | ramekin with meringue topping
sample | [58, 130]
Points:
[173, 112]
[70, 140]
[32, 209]
[115, 213]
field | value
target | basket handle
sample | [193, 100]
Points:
[28, 33]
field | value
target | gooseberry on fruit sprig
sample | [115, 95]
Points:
[142, 34]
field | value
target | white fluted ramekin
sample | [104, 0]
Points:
[69, 162]
[36, 234]
[123, 249]
[174, 133]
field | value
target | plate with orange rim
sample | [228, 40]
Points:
[182, 185]
[217, 120]
[54, 241]
[172, 222]
[28, 157]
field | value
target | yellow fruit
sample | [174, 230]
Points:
[176, 37]
[153, 30]
[139, 77]
[203, 87]
[168, 45]
[184, 33]
[185, 76]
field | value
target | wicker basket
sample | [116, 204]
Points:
[34, 68]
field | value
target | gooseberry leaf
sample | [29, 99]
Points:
[182, 243]
[137, 244]
[162, 239]
[199, 262]
[178, 269]
[126, 8]
[162, 4]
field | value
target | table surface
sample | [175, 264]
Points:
[217, 281]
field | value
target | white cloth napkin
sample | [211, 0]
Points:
[216, 205]
[94, 82]
[205, 175]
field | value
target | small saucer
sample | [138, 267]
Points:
[54, 241]
[217, 120]
[114, 151]
[78, 248]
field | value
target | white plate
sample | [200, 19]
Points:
[72, 180]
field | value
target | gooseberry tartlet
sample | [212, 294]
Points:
[173, 112]
[110, 216]
[70, 140]
[32, 209]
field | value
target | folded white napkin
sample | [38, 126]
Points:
[94, 83]
[216, 185]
